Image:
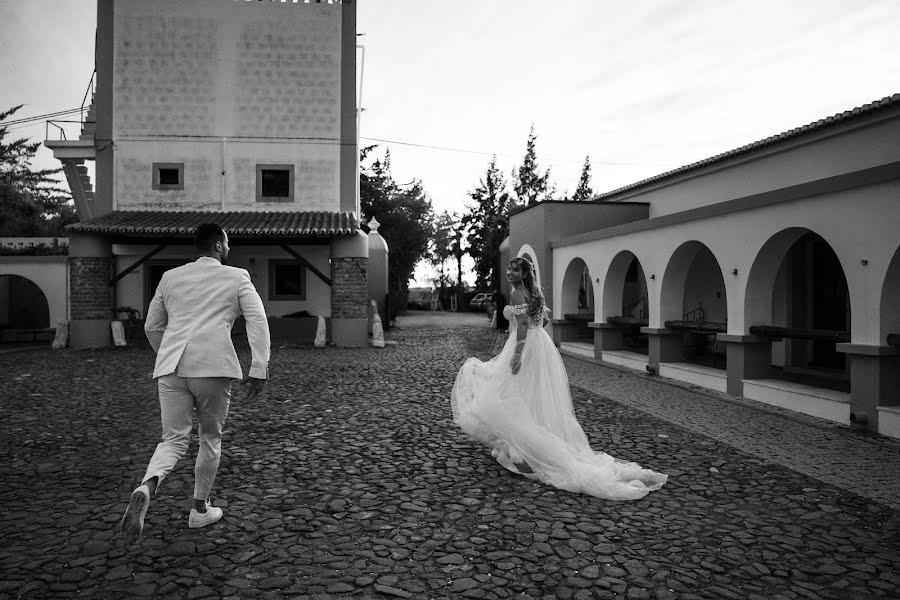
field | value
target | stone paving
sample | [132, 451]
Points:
[347, 479]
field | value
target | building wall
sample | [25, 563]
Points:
[539, 225]
[845, 148]
[221, 175]
[859, 224]
[206, 82]
[130, 289]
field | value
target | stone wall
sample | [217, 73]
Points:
[349, 288]
[90, 296]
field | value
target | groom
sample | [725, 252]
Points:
[189, 327]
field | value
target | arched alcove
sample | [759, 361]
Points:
[889, 309]
[23, 304]
[693, 300]
[577, 290]
[625, 300]
[693, 287]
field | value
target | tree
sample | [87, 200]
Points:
[528, 184]
[405, 215]
[31, 201]
[584, 191]
[488, 224]
[442, 244]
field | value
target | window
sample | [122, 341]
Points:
[287, 280]
[168, 176]
[274, 183]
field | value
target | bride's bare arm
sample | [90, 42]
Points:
[517, 297]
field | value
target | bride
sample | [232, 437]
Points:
[518, 403]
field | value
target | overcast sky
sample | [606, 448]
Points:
[641, 87]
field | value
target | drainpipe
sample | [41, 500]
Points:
[362, 68]
[224, 184]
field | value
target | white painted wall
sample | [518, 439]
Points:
[130, 289]
[221, 86]
[860, 223]
[846, 148]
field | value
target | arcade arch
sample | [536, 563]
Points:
[693, 300]
[890, 300]
[23, 304]
[577, 290]
[625, 300]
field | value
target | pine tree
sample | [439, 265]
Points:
[442, 244]
[405, 215]
[488, 224]
[584, 191]
[31, 201]
[528, 184]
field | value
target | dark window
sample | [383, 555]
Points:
[287, 280]
[168, 176]
[274, 183]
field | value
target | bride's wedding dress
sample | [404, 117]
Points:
[528, 421]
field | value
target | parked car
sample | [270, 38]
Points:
[479, 300]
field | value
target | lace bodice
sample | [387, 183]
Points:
[510, 311]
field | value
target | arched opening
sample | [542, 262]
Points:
[889, 313]
[811, 294]
[625, 302]
[578, 299]
[24, 311]
[693, 301]
[797, 294]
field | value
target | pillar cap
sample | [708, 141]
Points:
[867, 349]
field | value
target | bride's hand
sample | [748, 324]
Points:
[515, 364]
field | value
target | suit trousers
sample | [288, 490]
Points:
[178, 398]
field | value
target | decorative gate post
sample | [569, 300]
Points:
[349, 290]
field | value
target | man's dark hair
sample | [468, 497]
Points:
[206, 236]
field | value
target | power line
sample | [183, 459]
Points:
[60, 113]
[415, 145]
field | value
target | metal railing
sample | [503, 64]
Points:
[86, 102]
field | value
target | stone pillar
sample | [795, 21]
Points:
[606, 337]
[90, 295]
[664, 345]
[349, 290]
[874, 381]
[564, 330]
[747, 357]
[378, 269]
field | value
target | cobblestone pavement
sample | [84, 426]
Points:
[349, 480]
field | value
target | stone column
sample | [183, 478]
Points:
[564, 330]
[90, 295]
[874, 381]
[349, 290]
[747, 357]
[606, 337]
[378, 269]
[664, 345]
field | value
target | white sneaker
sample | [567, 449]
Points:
[132, 523]
[202, 519]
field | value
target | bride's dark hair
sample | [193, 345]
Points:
[536, 303]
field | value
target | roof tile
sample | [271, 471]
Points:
[237, 224]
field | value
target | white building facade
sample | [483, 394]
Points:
[770, 272]
[227, 111]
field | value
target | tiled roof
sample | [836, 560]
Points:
[237, 224]
[842, 117]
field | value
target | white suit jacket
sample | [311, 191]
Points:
[190, 318]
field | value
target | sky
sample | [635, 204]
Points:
[641, 87]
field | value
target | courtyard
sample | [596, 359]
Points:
[348, 479]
